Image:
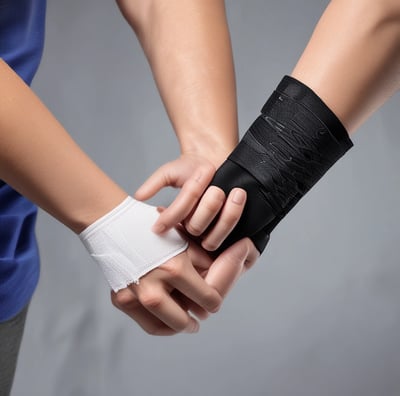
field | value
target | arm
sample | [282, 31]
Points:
[188, 47]
[40, 160]
[353, 66]
[358, 59]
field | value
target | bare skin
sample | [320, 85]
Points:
[195, 77]
[358, 59]
[40, 160]
[193, 68]
[353, 65]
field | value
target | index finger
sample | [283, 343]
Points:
[184, 203]
[182, 276]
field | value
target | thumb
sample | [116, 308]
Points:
[158, 180]
[228, 267]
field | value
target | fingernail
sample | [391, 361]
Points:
[239, 197]
[194, 328]
[159, 228]
[208, 246]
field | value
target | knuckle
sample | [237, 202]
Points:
[228, 220]
[174, 268]
[193, 190]
[209, 170]
[208, 167]
[123, 299]
[212, 203]
[232, 215]
[194, 228]
[151, 299]
[212, 301]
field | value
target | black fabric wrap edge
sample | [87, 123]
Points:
[289, 147]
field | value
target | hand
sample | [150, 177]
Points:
[193, 173]
[152, 303]
[165, 299]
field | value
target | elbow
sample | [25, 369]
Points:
[378, 16]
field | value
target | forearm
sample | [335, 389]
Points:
[352, 63]
[352, 60]
[188, 47]
[41, 161]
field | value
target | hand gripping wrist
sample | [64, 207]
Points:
[124, 246]
[289, 147]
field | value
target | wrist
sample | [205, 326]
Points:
[84, 216]
[122, 243]
[91, 209]
[212, 150]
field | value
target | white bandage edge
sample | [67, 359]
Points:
[124, 246]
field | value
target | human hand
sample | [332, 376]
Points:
[193, 173]
[153, 302]
[166, 298]
[128, 252]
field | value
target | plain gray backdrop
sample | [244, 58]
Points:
[318, 315]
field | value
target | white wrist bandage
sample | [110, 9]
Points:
[124, 246]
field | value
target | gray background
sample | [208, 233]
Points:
[318, 315]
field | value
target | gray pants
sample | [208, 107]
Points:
[10, 340]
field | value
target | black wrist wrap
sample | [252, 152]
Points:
[289, 147]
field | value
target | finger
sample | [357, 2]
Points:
[189, 305]
[158, 180]
[208, 208]
[158, 301]
[182, 276]
[184, 202]
[252, 257]
[200, 258]
[228, 267]
[126, 301]
[229, 217]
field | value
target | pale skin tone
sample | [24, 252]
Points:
[200, 100]
[352, 62]
[352, 65]
[44, 175]
[194, 74]
[349, 85]
[40, 160]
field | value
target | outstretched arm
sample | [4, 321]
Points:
[39, 159]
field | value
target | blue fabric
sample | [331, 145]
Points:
[22, 25]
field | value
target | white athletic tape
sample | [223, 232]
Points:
[124, 246]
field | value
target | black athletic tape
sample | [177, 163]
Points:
[284, 153]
